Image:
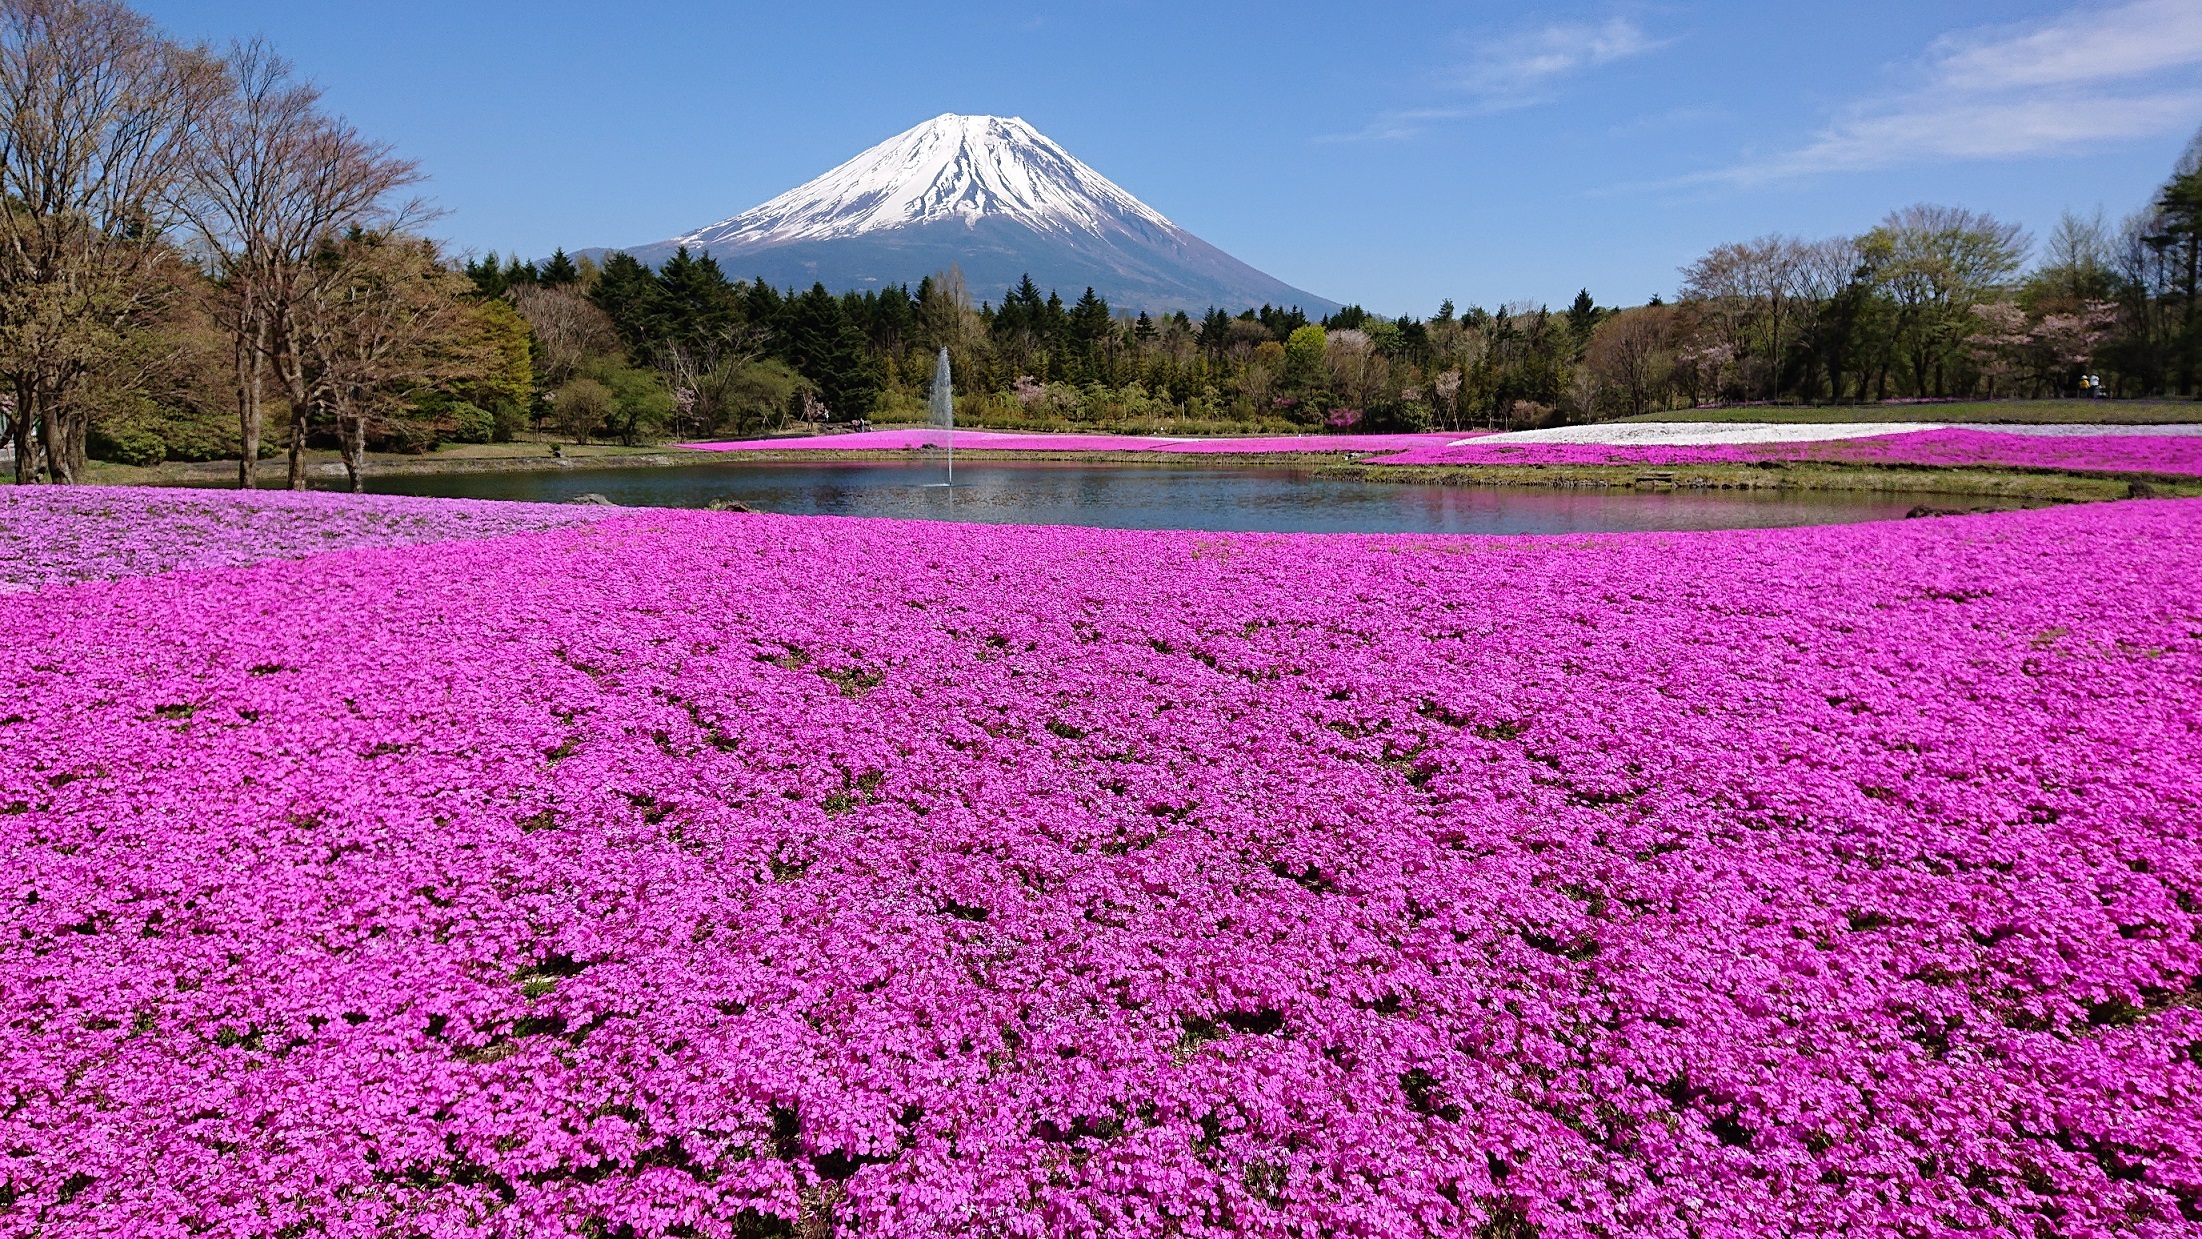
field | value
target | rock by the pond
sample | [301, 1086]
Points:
[728, 505]
[592, 499]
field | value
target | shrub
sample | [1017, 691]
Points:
[126, 445]
[470, 423]
[1396, 417]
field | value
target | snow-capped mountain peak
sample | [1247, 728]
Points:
[963, 168]
[989, 197]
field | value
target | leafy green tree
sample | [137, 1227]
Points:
[581, 408]
[641, 406]
[1306, 369]
[504, 384]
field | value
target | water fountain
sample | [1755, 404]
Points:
[944, 410]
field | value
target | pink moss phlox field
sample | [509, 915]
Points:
[688, 872]
[58, 534]
[2177, 454]
[972, 440]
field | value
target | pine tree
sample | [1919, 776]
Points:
[1144, 329]
[1583, 316]
[559, 271]
[828, 349]
[488, 276]
[631, 297]
[696, 306]
[1215, 333]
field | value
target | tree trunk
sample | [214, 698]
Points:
[56, 438]
[353, 443]
[24, 429]
[251, 345]
[298, 446]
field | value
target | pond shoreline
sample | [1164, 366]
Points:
[2006, 482]
[1994, 482]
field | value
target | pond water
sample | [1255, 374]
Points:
[1171, 497]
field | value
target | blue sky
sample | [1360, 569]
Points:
[1391, 154]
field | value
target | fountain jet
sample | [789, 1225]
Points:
[944, 409]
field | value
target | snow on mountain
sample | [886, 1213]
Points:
[998, 199]
[951, 167]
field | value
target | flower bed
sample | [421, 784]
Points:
[686, 872]
[2121, 453]
[989, 440]
[56, 534]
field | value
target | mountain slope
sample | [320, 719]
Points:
[999, 199]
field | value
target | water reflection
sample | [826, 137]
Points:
[1171, 497]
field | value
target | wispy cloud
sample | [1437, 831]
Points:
[2088, 76]
[1512, 71]
[1520, 69]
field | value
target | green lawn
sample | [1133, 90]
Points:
[2026, 412]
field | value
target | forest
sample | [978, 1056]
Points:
[199, 262]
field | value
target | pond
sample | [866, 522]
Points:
[1172, 497]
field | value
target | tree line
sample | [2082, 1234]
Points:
[187, 238]
[1932, 303]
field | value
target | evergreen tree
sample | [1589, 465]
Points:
[828, 349]
[1280, 321]
[696, 306]
[631, 297]
[1215, 333]
[488, 276]
[2178, 235]
[559, 271]
[1144, 329]
[1583, 316]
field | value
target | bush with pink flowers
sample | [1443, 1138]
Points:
[686, 873]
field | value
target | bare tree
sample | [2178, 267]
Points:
[382, 322]
[97, 113]
[569, 330]
[1632, 353]
[1751, 288]
[275, 182]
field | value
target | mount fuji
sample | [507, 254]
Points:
[998, 199]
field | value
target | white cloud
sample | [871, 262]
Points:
[1524, 64]
[2086, 45]
[1514, 71]
[2089, 76]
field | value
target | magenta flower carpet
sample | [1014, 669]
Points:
[686, 873]
[51, 534]
[990, 440]
[2176, 454]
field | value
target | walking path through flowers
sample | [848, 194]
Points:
[675, 872]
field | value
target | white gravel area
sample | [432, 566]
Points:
[2076, 431]
[1701, 434]
[1707, 434]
